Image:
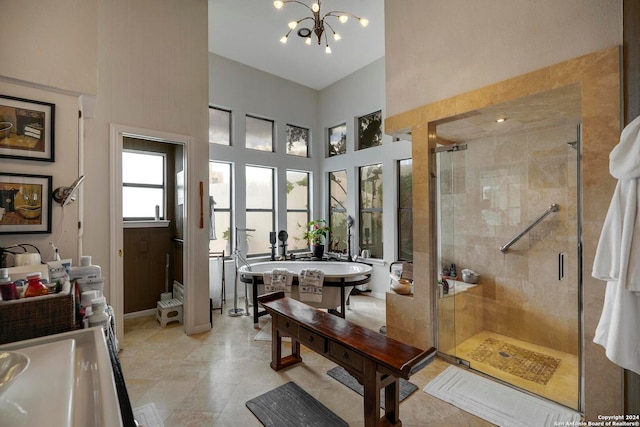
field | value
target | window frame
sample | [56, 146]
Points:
[230, 209]
[306, 145]
[230, 113]
[330, 133]
[361, 210]
[332, 210]
[162, 186]
[273, 132]
[273, 202]
[402, 209]
[307, 210]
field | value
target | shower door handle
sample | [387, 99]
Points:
[561, 265]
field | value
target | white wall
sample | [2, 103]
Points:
[438, 49]
[141, 64]
[51, 43]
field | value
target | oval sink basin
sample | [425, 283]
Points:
[12, 364]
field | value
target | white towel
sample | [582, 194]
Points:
[310, 283]
[618, 255]
[278, 280]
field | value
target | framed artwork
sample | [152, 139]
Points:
[25, 203]
[370, 130]
[26, 129]
[338, 140]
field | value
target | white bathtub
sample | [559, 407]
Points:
[340, 279]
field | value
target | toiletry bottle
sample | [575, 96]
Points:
[452, 271]
[85, 270]
[99, 316]
[8, 290]
[35, 287]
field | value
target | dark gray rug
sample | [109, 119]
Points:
[342, 375]
[291, 406]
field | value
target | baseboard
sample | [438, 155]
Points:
[143, 313]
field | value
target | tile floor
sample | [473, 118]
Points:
[205, 379]
[562, 386]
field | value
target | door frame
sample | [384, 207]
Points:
[117, 132]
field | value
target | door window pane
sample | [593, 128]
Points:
[259, 134]
[143, 185]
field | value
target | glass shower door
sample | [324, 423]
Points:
[520, 322]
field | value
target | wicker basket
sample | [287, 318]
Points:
[37, 317]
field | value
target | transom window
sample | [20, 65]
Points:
[219, 126]
[259, 134]
[143, 185]
[337, 140]
[370, 130]
[297, 141]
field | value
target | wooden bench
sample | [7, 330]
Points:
[375, 360]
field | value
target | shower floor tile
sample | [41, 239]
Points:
[561, 386]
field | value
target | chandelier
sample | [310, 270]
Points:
[319, 23]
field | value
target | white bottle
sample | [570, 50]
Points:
[85, 270]
[99, 316]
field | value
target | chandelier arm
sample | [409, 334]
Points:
[338, 14]
[328, 25]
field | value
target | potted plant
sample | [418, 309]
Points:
[317, 230]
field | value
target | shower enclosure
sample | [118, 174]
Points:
[508, 208]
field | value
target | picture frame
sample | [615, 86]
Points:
[25, 203]
[27, 129]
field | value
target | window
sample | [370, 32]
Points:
[405, 211]
[338, 211]
[297, 141]
[143, 185]
[219, 126]
[370, 130]
[338, 140]
[259, 134]
[220, 191]
[371, 209]
[260, 213]
[297, 209]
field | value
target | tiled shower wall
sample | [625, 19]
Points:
[489, 193]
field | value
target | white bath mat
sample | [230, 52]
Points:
[497, 403]
[147, 416]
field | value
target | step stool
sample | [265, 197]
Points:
[170, 310]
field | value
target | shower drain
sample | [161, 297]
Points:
[503, 354]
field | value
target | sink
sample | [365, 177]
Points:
[69, 382]
[12, 364]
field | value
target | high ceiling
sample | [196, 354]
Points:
[248, 31]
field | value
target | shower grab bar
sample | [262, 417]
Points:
[553, 208]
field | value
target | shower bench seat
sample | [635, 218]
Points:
[375, 360]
